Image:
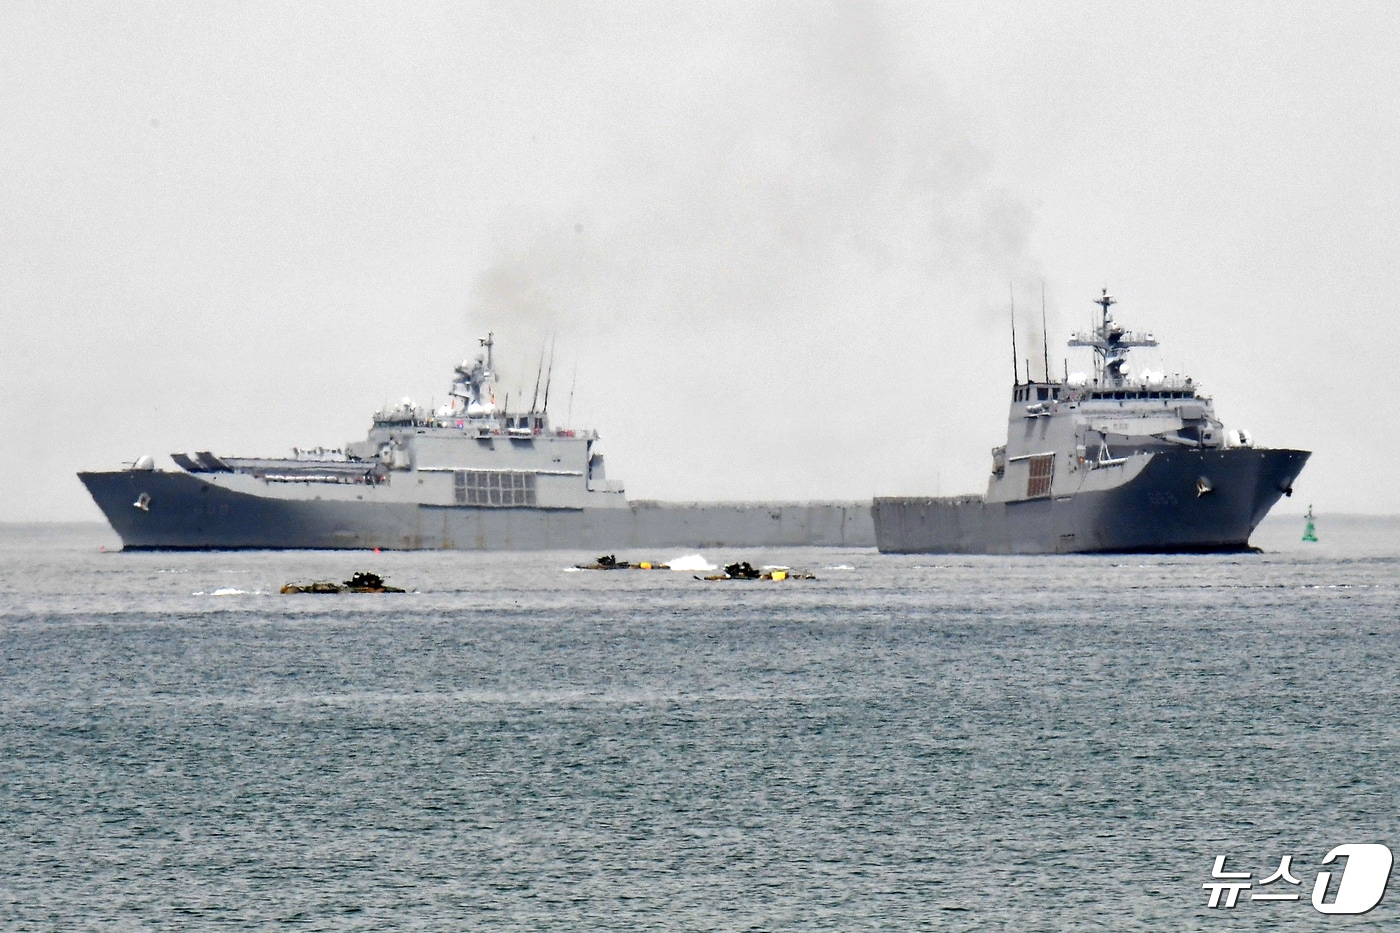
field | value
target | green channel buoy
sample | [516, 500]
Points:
[1310, 532]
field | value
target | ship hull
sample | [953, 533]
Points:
[1163, 508]
[184, 512]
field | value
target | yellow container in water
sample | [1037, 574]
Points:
[646, 565]
[780, 575]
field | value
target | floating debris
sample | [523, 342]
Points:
[361, 582]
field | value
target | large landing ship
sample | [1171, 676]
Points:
[1105, 463]
[467, 475]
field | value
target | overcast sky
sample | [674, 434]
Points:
[772, 242]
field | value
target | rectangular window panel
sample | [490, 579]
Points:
[488, 488]
[1042, 468]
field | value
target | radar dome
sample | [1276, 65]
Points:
[1238, 437]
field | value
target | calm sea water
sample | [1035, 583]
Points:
[903, 743]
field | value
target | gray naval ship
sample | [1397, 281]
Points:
[467, 475]
[1104, 463]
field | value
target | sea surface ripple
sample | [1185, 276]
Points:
[919, 742]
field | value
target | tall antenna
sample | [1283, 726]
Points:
[539, 371]
[488, 343]
[569, 420]
[549, 378]
[1015, 366]
[1044, 335]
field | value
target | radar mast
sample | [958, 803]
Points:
[1111, 343]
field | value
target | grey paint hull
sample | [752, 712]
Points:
[184, 512]
[1157, 511]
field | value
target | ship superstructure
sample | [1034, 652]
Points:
[467, 474]
[1111, 460]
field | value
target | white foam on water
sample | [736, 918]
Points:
[690, 562]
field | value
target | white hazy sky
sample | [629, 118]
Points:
[773, 240]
